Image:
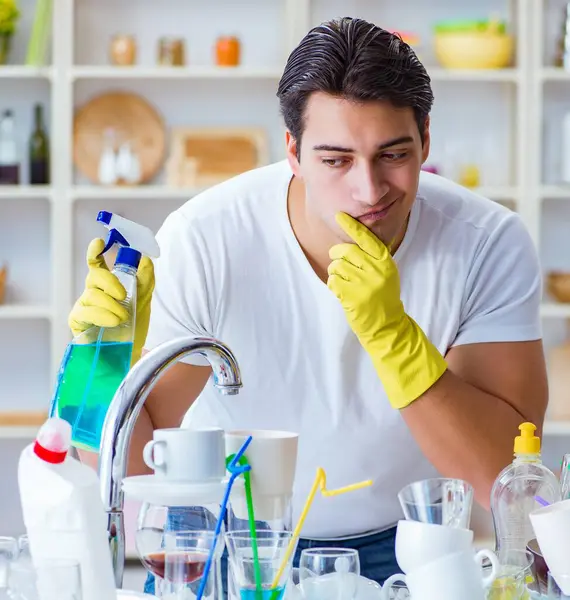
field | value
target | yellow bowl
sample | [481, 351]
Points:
[474, 50]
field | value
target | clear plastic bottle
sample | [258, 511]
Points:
[95, 363]
[514, 492]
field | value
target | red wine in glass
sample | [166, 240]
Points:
[181, 567]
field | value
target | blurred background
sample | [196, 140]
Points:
[133, 106]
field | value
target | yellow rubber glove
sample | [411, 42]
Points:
[99, 304]
[365, 278]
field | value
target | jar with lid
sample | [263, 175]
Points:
[171, 52]
[228, 50]
[123, 50]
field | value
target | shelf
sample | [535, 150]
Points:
[483, 75]
[554, 74]
[554, 310]
[191, 72]
[142, 192]
[554, 192]
[16, 432]
[15, 311]
[24, 191]
[25, 72]
[556, 428]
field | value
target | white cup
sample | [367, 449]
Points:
[418, 543]
[272, 456]
[551, 526]
[451, 577]
[186, 455]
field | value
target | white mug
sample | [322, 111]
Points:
[551, 526]
[457, 576]
[418, 543]
[186, 455]
[273, 459]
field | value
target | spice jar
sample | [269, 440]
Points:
[227, 51]
[123, 50]
[171, 52]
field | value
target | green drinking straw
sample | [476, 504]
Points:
[243, 462]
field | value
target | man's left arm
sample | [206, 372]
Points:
[463, 410]
[466, 422]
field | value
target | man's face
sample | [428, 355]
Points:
[360, 158]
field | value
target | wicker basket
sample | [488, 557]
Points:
[3, 276]
[558, 285]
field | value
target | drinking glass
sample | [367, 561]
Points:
[330, 573]
[154, 521]
[439, 500]
[49, 579]
[186, 555]
[246, 572]
[557, 585]
[514, 578]
[8, 552]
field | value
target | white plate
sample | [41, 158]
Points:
[147, 488]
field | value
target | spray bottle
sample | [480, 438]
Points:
[516, 489]
[96, 361]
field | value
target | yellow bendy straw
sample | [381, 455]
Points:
[320, 482]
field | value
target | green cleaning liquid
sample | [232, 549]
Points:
[89, 377]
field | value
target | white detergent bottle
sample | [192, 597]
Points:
[515, 491]
[62, 509]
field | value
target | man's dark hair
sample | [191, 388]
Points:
[355, 60]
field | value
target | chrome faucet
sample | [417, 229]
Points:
[124, 410]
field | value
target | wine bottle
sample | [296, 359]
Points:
[9, 164]
[39, 150]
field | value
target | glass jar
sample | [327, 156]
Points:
[228, 51]
[171, 52]
[123, 50]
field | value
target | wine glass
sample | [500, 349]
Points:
[154, 521]
[330, 573]
[149, 541]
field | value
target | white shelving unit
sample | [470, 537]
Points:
[503, 119]
[79, 69]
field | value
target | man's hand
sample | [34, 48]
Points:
[365, 278]
[100, 303]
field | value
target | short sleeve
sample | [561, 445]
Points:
[504, 289]
[181, 304]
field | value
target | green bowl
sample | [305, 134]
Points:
[469, 25]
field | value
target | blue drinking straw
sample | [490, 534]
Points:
[235, 471]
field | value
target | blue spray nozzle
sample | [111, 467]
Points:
[128, 234]
[113, 238]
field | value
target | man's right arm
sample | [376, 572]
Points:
[166, 405]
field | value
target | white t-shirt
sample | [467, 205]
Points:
[231, 268]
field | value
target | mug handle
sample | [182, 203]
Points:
[148, 454]
[487, 581]
[385, 591]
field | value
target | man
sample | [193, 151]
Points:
[389, 316]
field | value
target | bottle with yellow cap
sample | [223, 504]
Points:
[515, 491]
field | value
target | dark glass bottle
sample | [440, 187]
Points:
[39, 150]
